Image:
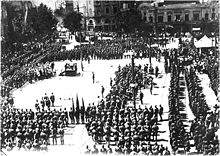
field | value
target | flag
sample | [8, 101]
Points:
[77, 103]
[83, 106]
[73, 107]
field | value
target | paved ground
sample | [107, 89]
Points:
[65, 88]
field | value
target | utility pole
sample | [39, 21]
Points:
[150, 50]
[155, 22]
[133, 82]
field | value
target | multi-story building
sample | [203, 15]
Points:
[86, 8]
[106, 13]
[176, 14]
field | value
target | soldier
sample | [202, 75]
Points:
[42, 103]
[61, 132]
[161, 112]
[151, 87]
[111, 81]
[156, 71]
[71, 115]
[52, 99]
[93, 77]
[103, 89]
[156, 111]
[37, 105]
[54, 135]
[141, 97]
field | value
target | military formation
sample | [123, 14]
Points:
[120, 128]
[124, 129]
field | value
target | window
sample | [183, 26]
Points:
[151, 19]
[177, 17]
[169, 18]
[114, 10]
[213, 15]
[107, 10]
[206, 16]
[160, 19]
[186, 17]
[196, 16]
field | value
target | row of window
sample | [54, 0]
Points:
[107, 21]
[107, 11]
[178, 17]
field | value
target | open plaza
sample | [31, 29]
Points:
[118, 94]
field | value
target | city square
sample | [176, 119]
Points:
[88, 88]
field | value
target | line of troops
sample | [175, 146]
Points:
[204, 128]
[29, 130]
[179, 137]
[128, 130]
[16, 75]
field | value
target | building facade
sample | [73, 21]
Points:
[171, 14]
[86, 8]
[105, 13]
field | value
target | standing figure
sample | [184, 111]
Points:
[141, 97]
[103, 89]
[156, 71]
[93, 77]
[161, 112]
[151, 87]
[111, 81]
[52, 99]
[71, 115]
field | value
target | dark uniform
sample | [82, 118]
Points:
[52, 99]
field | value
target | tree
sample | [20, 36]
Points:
[128, 20]
[72, 21]
[60, 12]
[45, 19]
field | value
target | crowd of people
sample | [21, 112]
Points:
[33, 129]
[127, 130]
[179, 137]
[105, 49]
[204, 128]
[22, 63]
[209, 65]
